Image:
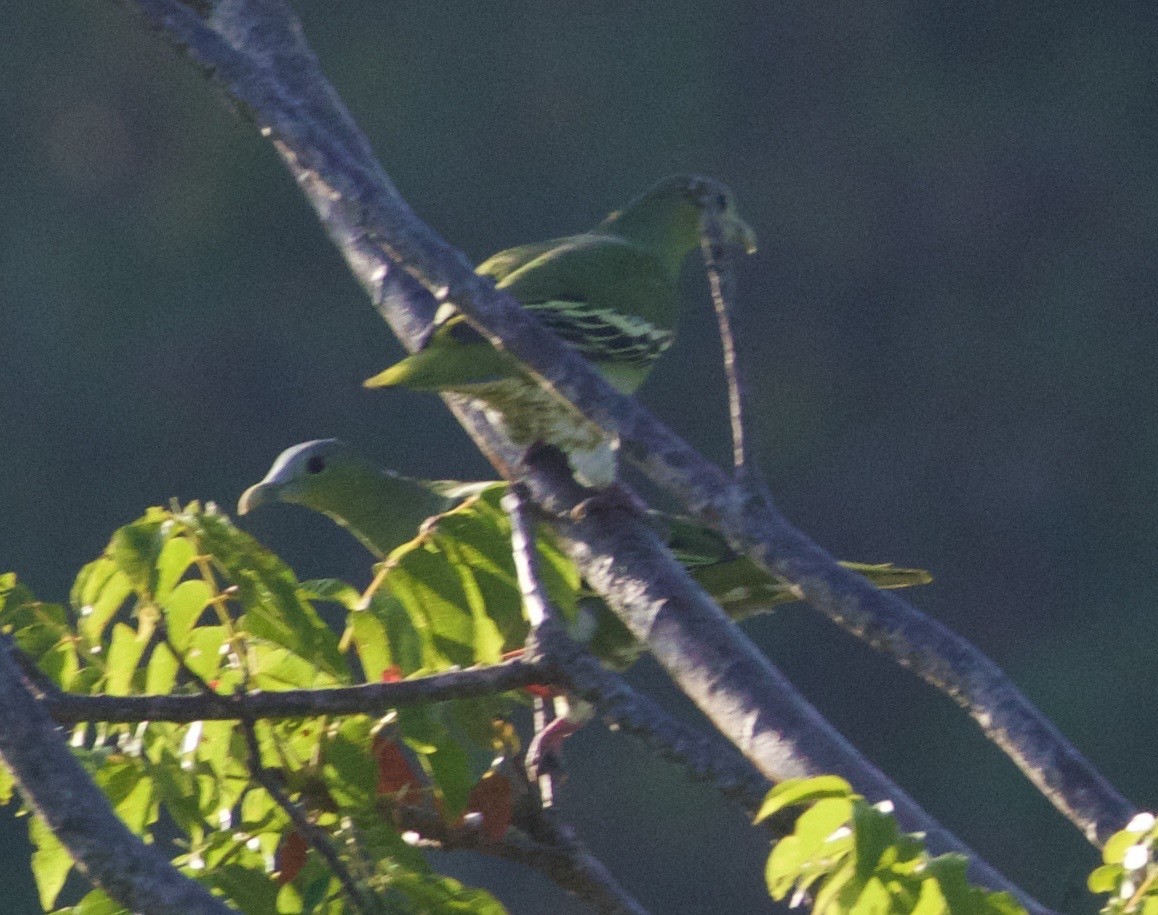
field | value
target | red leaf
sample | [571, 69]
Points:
[290, 857]
[395, 773]
[541, 692]
[494, 798]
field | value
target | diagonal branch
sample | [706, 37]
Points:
[136, 875]
[586, 877]
[586, 677]
[255, 48]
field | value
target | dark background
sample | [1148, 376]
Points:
[954, 298]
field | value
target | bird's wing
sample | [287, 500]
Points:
[609, 299]
[499, 266]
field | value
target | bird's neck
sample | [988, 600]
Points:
[383, 510]
[668, 228]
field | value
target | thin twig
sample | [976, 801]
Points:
[376, 231]
[136, 875]
[582, 875]
[316, 837]
[256, 50]
[721, 268]
[368, 699]
[546, 629]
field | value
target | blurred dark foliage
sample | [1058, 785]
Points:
[953, 301]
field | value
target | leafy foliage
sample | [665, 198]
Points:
[849, 856]
[182, 599]
[1130, 872]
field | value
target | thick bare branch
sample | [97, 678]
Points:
[277, 77]
[136, 875]
[256, 49]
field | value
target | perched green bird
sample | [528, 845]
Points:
[384, 510]
[610, 292]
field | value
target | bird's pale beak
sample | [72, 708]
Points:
[741, 234]
[254, 497]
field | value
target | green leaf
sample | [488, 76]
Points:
[794, 791]
[268, 591]
[51, 863]
[435, 893]
[442, 756]
[931, 900]
[138, 808]
[183, 607]
[1115, 848]
[100, 590]
[203, 655]
[433, 596]
[161, 671]
[135, 549]
[7, 785]
[176, 787]
[475, 539]
[490, 597]
[404, 639]
[817, 825]
[784, 867]
[369, 636]
[248, 889]
[351, 767]
[176, 556]
[1105, 879]
[949, 870]
[874, 899]
[876, 833]
[333, 590]
[95, 903]
[125, 650]
[827, 895]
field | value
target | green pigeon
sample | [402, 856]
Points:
[611, 292]
[385, 510]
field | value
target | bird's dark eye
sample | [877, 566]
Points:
[316, 464]
[722, 201]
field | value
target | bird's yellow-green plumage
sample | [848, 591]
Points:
[610, 292]
[385, 510]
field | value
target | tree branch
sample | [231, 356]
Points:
[369, 699]
[721, 267]
[136, 875]
[316, 837]
[583, 875]
[255, 48]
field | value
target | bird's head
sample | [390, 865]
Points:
[303, 474]
[667, 215]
